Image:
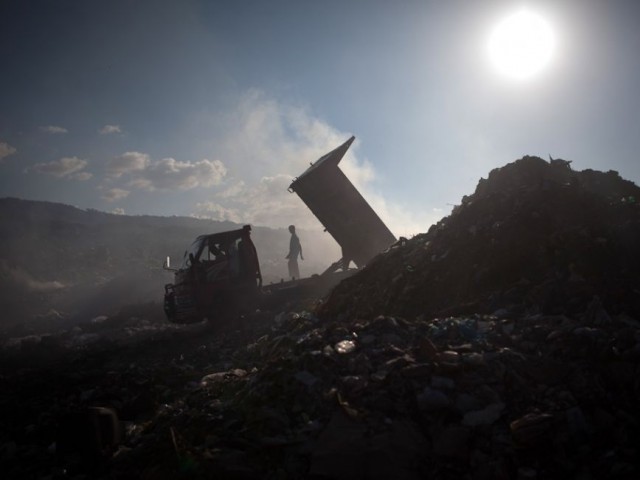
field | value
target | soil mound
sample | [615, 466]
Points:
[534, 237]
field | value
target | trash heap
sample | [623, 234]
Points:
[482, 397]
[534, 237]
[502, 344]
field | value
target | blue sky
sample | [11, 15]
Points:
[210, 108]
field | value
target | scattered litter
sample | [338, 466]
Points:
[509, 349]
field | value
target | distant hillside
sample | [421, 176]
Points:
[79, 262]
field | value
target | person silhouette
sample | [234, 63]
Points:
[295, 249]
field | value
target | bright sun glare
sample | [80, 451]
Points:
[521, 45]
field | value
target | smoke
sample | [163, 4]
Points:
[265, 143]
[21, 278]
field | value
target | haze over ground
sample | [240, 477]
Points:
[211, 108]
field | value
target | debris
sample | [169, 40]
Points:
[345, 346]
[531, 428]
[514, 354]
[547, 239]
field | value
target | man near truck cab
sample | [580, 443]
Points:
[295, 249]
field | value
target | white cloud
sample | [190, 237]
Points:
[126, 163]
[64, 167]
[6, 150]
[141, 184]
[114, 194]
[81, 176]
[109, 129]
[54, 129]
[171, 174]
[118, 211]
[166, 174]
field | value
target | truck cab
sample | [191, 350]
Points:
[216, 270]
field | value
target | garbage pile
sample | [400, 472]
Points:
[520, 361]
[483, 397]
[534, 237]
[476, 396]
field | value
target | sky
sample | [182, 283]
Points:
[210, 108]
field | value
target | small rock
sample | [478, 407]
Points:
[449, 357]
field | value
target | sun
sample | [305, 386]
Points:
[521, 45]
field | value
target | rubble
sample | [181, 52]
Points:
[504, 352]
[534, 237]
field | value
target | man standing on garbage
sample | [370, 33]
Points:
[295, 249]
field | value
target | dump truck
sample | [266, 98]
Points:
[220, 272]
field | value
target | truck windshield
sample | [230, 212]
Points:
[193, 250]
